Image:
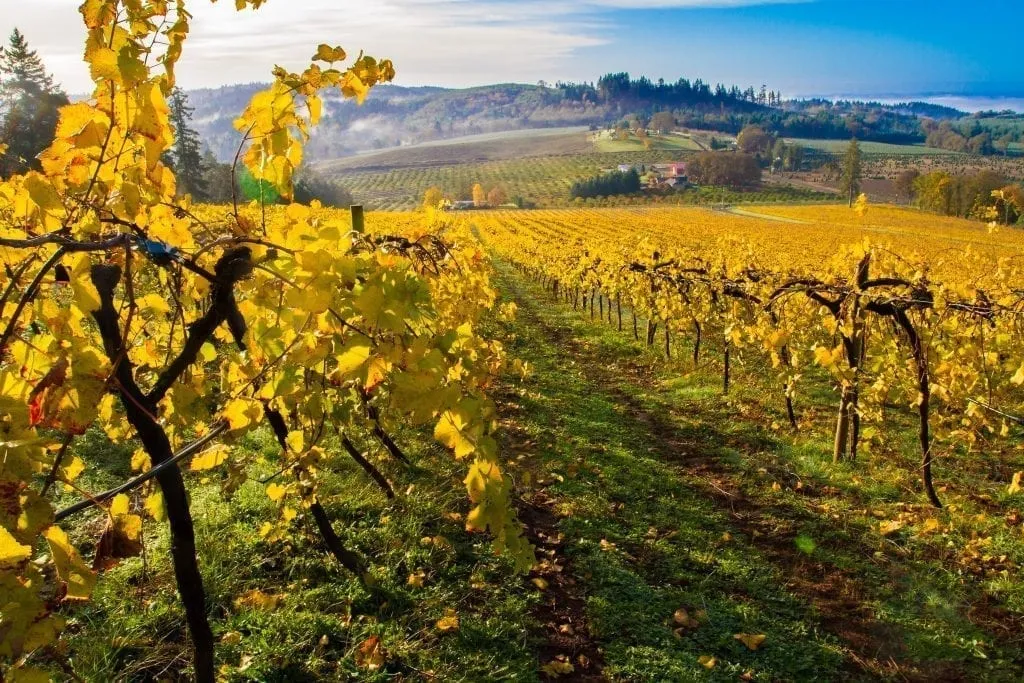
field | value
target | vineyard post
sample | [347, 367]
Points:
[618, 306]
[696, 342]
[636, 332]
[725, 369]
[358, 219]
[668, 349]
[600, 306]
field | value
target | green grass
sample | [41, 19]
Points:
[609, 143]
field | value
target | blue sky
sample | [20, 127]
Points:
[811, 47]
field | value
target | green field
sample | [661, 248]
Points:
[607, 142]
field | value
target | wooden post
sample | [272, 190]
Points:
[358, 221]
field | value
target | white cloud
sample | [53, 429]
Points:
[450, 42]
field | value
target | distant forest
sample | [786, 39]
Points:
[696, 104]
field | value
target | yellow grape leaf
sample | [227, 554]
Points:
[1015, 483]
[930, 525]
[751, 641]
[210, 458]
[416, 579]
[155, 506]
[370, 654]
[259, 600]
[558, 667]
[140, 461]
[12, 553]
[449, 431]
[707, 661]
[276, 492]
[889, 527]
[295, 441]
[449, 622]
[326, 53]
[242, 412]
[1018, 377]
[87, 299]
[119, 506]
[540, 583]
[353, 356]
[231, 638]
[71, 569]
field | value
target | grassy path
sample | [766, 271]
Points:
[666, 502]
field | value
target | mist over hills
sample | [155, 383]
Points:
[397, 116]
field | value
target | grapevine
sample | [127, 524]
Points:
[178, 328]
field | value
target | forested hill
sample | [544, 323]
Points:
[396, 116]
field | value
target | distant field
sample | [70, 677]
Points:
[839, 146]
[469, 149]
[606, 142]
[544, 179]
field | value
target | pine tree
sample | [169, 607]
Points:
[850, 180]
[186, 156]
[29, 104]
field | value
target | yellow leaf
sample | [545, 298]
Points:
[326, 53]
[231, 638]
[449, 431]
[11, 552]
[353, 356]
[294, 441]
[258, 600]
[276, 492]
[241, 412]
[87, 299]
[155, 506]
[1015, 483]
[540, 583]
[707, 661]
[416, 579]
[890, 527]
[140, 461]
[210, 458]
[449, 622]
[751, 641]
[71, 569]
[558, 667]
[119, 506]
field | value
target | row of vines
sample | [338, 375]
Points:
[891, 335]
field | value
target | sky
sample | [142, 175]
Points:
[884, 48]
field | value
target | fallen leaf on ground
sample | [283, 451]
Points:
[751, 641]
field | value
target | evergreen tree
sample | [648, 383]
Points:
[850, 180]
[29, 104]
[186, 155]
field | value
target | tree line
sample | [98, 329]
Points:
[606, 184]
[985, 195]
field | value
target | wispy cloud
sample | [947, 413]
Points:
[455, 42]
